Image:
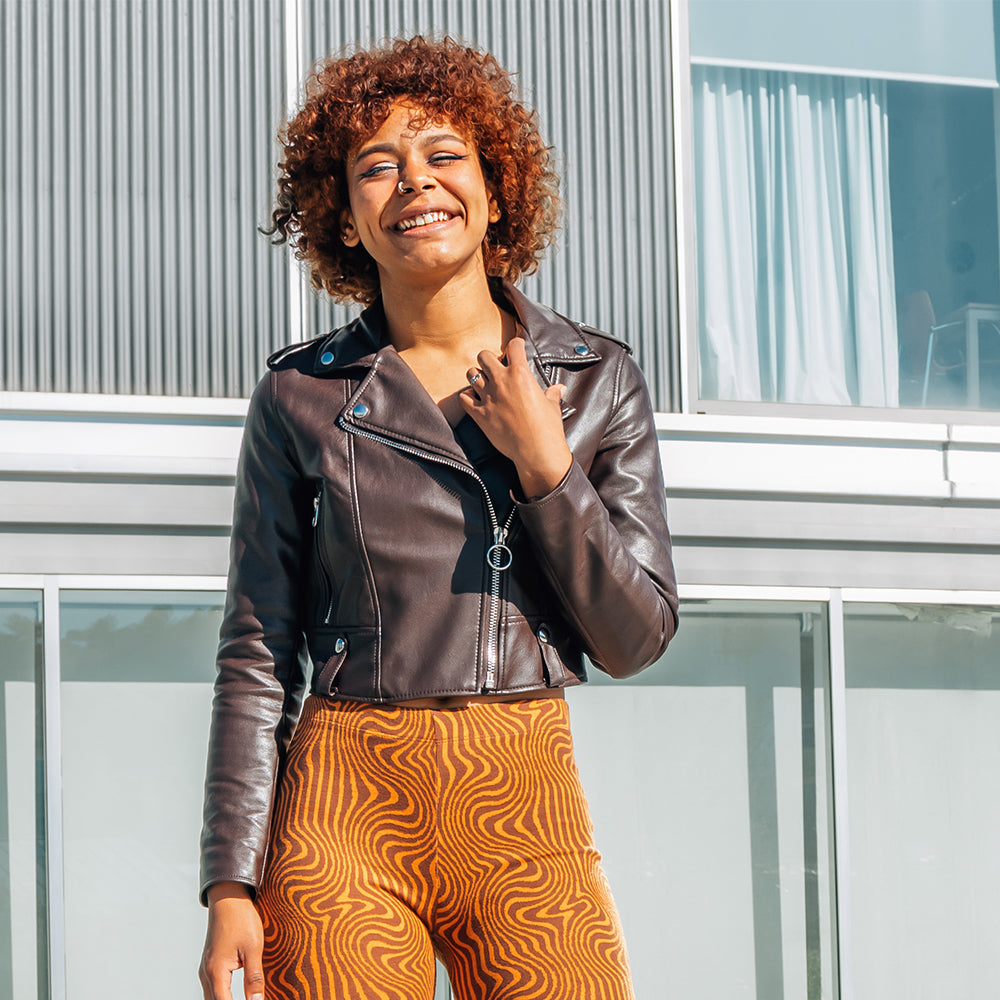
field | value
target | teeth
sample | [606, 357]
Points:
[423, 220]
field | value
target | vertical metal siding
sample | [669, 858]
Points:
[598, 71]
[139, 157]
[138, 160]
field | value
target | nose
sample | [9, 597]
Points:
[414, 177]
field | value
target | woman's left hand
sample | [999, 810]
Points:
[522, 420]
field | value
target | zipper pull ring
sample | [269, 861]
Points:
[498, 556]
[315, 509]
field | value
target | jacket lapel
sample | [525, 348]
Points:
[389, 403]
[551, 340]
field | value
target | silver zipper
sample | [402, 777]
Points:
[319, 555]
[498, 555]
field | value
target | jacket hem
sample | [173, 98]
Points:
[444, 693]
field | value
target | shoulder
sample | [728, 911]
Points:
[592, 331]
[346, 347]
[559, 340]
[295, 355]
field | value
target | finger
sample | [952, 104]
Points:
[215, 979]
[469, 400]
[476, 379]
[253, 977]
[490, 364]
[517, 354]
[206, 986]
[220, 984]
[555, 392]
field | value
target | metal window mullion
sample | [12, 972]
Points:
[684, 207]
[294, 15]
[52, 743]
[844, 988]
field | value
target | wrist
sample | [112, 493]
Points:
[227, 890]
[540, 480]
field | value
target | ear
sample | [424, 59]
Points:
[494, 207]
[348, 231]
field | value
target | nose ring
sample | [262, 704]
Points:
[401, 188]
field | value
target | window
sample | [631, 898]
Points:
[22, 823]
[845, 204]
[708, 777]
[137, 671]
[923, 753]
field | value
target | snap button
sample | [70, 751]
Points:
[326, 358]
[580, 349]
[340, 645]
[543, 633]
[360, 410]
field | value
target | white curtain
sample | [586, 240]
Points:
[796, 298]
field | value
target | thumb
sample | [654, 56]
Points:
[555, 392]
[253, 978]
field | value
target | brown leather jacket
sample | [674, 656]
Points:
[365, 543]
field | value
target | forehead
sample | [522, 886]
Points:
[410, 122]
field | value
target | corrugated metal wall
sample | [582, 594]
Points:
[136, 165]
[139, 154]
[598, 71]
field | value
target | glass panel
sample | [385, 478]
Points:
[22, 822]
[847, 239]
[708, 781]
[866, 37]
[138, 670]
[923, 742]
[942, 174]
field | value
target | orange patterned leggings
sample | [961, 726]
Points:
[401, 833]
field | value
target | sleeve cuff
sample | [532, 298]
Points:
[203, 894]
[528, 502]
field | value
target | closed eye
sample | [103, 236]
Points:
[378, 168]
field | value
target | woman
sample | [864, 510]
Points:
[441, 507]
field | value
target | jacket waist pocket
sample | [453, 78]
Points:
[343, 656]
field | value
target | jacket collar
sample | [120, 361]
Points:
[550, 338]
[353, 345]
[390, 403]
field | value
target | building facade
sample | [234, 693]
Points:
[789, 208]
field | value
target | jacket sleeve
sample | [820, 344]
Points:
[260, 676]
[602, 539]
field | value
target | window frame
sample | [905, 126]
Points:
[53, 585]
[691, 402]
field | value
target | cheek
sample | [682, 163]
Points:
[365, 211]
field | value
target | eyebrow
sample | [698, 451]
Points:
[427, 140]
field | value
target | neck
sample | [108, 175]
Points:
[451, 319]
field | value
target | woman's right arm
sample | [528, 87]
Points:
[259, 684]
[234, 940]
[260, 673]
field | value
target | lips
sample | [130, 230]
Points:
[424, 219]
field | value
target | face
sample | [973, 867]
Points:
[419, 202]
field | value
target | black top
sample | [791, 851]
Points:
[498, 473]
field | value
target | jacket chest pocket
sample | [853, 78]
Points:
[322, 574]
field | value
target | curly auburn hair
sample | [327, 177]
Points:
[348, 98]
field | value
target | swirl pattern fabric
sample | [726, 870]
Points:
[401, 833]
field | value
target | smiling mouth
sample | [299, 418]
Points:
[422, 220]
